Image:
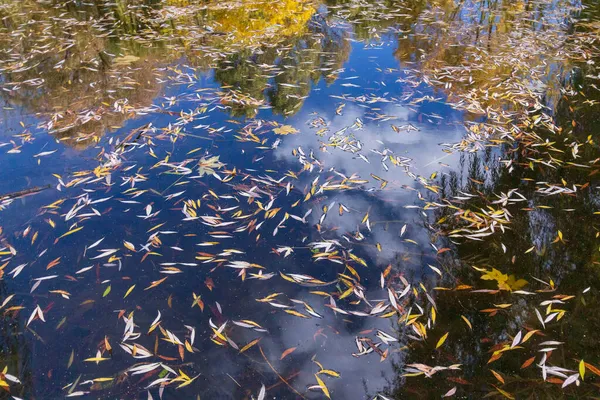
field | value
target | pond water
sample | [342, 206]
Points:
[339, 199]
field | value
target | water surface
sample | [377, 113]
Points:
[349, 199]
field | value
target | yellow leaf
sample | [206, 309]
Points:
[467, 322]
[528, 335]
[330, 372]
[529, 250]
[188, 347]
[187, 382]
[494, 275]
[582, 369]
[129, 291]
[285, 130]
[323, 387]
[156, 283]
[252, 343]
[96, 359]
[219, 335]
[365, 218]
[71, 232]
[183, 375]
[296, 313]
[441, 341]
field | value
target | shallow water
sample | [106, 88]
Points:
[356, 142]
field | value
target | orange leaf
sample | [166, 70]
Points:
[592, 369]
[498, 376]
[53, 263]
[528, 362]
[106, 344]
[156, 283]
[494, 357]
[287, 352]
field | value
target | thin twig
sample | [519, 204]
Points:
[277, 373]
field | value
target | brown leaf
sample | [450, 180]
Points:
[210, 284]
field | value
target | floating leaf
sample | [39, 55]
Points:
[287, 352]
[467, 322]
[249, 345]
[125, 60]
[441, 341]
[498, 376]
[129, 291]
[528, 362]
[207, 166]
[285, 130]
[323, 387]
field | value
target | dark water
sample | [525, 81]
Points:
[109, 107]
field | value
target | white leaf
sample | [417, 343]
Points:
[570, 380]
[516, 340]
[262, 393]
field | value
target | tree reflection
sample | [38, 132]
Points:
[16, 354]
[66, 66]
[283, 76]
[571, 264]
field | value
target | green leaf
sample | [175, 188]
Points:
[106, 291]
